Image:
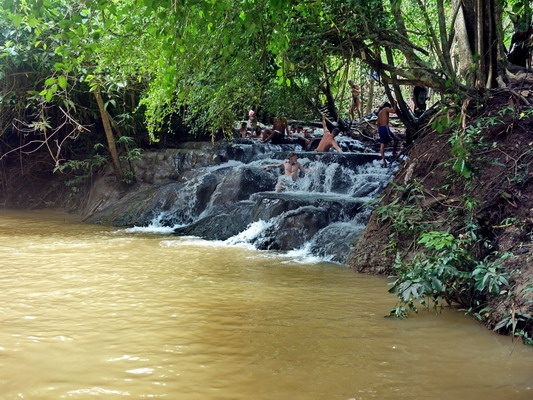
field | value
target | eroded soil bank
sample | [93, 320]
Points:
[497, 196]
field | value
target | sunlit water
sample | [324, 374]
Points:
[88, 311]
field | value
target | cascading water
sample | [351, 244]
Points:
[321, 214]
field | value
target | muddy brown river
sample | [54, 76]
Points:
[97, 312]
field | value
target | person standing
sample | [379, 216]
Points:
[420, 94]
[252, 119]
[356, 100]
[385, 134]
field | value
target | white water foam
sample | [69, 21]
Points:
[155, 226]
[250, 233]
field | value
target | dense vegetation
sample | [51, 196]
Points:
[73, 71]
[94, 82]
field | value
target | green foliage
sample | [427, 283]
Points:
[206, 62]
[405, 213]
[80, 171]
[432, 276]
[466, 142]
[490, 276]
[446, 271]
[516, 320]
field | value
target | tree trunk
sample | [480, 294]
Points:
[488, 39]
[109, 135]
[464, 58]
[370, 97]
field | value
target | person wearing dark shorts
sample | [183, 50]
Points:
[385, 134]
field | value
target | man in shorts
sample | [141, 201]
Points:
[385, 134]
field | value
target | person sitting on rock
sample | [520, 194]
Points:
[280, 127]
[244, 130]
[328, 139]
[271, 136]
[291, 169]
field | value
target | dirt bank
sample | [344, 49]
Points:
[494, 191]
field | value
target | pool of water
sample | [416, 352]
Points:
[89, 311]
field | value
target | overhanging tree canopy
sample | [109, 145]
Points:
[207, 61]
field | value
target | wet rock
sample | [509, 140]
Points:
[241, 183]
[293, 229]
[335, 242]
[271, 204]
[220, 226]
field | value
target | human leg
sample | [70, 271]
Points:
[358, 106]
[394, 147]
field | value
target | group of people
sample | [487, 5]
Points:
[291, 166]
[281, 131]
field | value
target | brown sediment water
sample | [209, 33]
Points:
[89, 311]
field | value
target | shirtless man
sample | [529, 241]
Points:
[328, 139]
[243, 131]
[356, 100]
[291, 168]
[385, 134]
[280, 127]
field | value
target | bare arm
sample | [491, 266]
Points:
[324, 126]
[271, 165]
[336, 146]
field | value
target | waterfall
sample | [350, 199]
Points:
[224, 195]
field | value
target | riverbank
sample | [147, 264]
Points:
[476, 192]
[494, 196]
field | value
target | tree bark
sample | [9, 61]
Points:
[464, 58]
[109, 135]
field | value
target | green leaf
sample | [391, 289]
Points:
[65, 24]
[62, 81]
[462, 167]
[17, 19]
[50, 81]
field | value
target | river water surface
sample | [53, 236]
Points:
[95, 312]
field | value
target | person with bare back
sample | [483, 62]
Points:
[328, 139]
[385, 134]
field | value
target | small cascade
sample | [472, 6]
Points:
[322, 213]
[221, 192]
